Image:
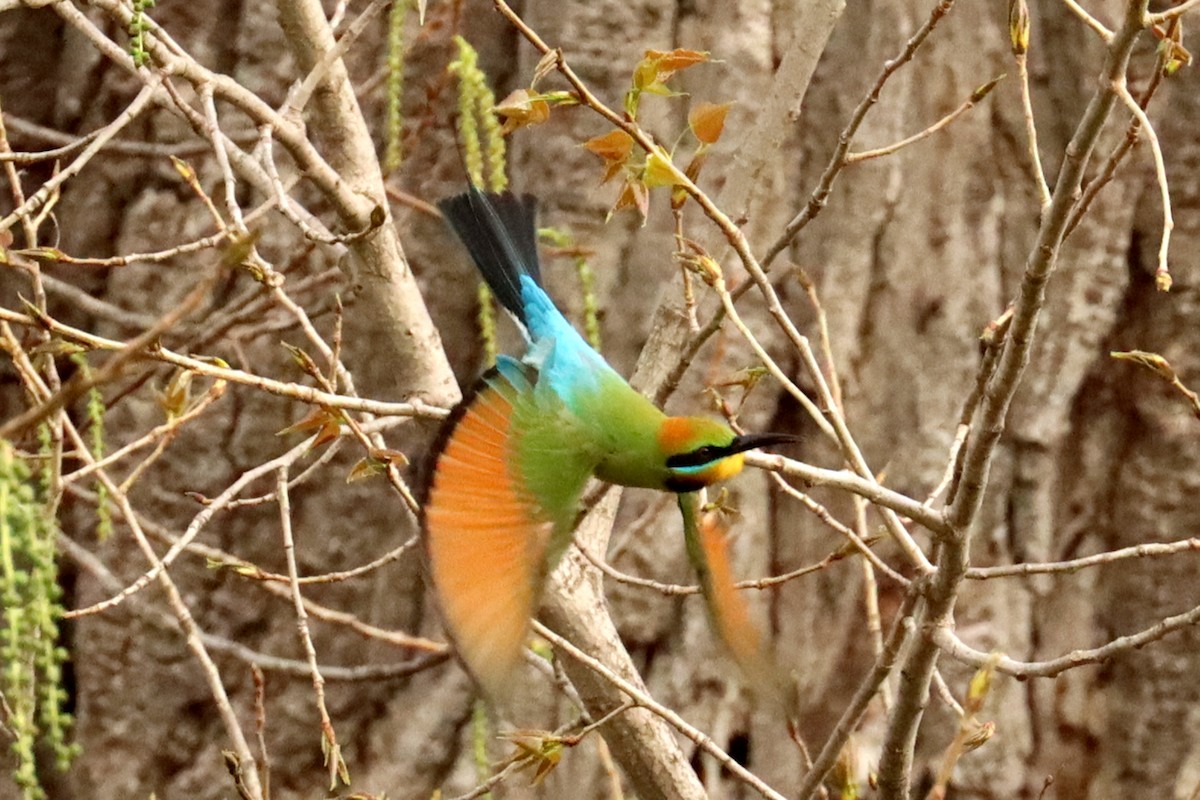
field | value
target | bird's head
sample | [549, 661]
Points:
[701, 451]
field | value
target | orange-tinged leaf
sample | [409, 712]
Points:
[651, 74]
[707, 121]
[614, 147]
[392, 457]
[634, 194]
[365, 468]
[675, 60]
[376, 463]
[329, 431]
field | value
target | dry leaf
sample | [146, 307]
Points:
[634, 194]
[521, 108]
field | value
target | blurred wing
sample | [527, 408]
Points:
[708, 549]
[488, 533]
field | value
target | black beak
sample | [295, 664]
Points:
[752, 441]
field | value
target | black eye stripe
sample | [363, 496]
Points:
[701, 455]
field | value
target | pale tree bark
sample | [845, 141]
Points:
[911, 257]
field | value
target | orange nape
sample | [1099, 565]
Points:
[486, 539]
[676, 435]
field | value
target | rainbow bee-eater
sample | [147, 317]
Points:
[502, 495]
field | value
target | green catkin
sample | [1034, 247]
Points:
[31, 679]
[393, 154]
[137, 32]
[482, 146]
[95, 416]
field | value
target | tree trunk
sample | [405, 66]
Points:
[913, 256]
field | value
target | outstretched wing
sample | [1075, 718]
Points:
[708, 550]
[500, 503]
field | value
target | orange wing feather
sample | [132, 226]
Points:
[708, 547]
[485, 540]
[730, 611]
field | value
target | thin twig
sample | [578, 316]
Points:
[954, 647]
[50, 187]
[977, 95]
[200, 366]
[1162, 273]
[329, 744]
[701, 739]
[895, 765]
[1093, 23]
[1149, 549]
[866, 691]
[1172, 13]
[1031, 137]
[113, 367]
[820, 194]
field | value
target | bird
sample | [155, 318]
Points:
[504, 479]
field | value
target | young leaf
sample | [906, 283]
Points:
[634, 194]
[707, 121]
[673, 61]
[521, 108]
[175, 399]
[365, 468]
[659, 171]
[614, 148]
[325, 422]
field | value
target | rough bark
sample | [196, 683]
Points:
[913, 255]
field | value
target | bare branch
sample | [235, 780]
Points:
[296, 391]
[820, 194]
[896, 762]
[954, 647]
[1162, 274]
[1172, 13]
[1149, 549]
[967, 105]
[884, 664]
[644, 700]
[329, 744]
[1093, 23]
